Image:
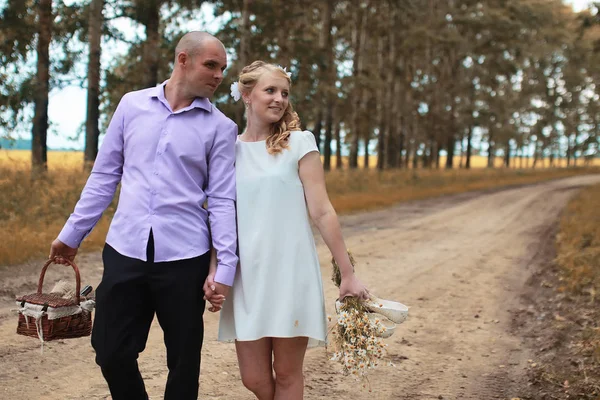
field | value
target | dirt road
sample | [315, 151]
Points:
[460, 262]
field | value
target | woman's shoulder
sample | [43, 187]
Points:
[302, 142]
[301, 135]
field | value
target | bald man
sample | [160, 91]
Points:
[171, 150]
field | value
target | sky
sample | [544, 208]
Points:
[67, 106]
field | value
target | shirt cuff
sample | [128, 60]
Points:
[225, 275]
[71, 236]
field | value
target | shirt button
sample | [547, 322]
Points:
[155, 172]
[159, 153]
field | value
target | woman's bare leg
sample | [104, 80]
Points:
[256, 368]
[289, 359]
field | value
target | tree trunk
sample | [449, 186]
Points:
[382, 107]
[507, 155]
[339, 164]
[358, 39]
[245, 34]
[244, 57]
[283, 9]
[393, 136]
[403, 128]
[92, 130]
[461, 163]
[452, 73]
[415, 156]
[491, 150]
[425, 155]
[329, 75]
[469, 147]
[381, 139]
[318, 127]
[451, 144]
[151, 20]
[414, 144]
[403, 133]
[328, 136]
[535, 154]
[574, 155]
[570, 147]
[366, 156]
[522, 157]
[428, 157]
[391, 101]
[39, 151]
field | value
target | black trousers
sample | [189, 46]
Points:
[130, 293]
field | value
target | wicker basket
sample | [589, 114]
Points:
[47, 326]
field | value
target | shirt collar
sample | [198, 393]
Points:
[199, 102]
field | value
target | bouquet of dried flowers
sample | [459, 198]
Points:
[357, 334]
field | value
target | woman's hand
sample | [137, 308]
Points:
[214, 292]
[352, 287]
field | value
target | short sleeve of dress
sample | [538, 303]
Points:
[305, 143]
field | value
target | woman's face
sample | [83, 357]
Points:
[269, 98]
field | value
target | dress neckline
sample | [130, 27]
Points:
[255, 141]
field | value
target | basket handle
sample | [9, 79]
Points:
[77, 277]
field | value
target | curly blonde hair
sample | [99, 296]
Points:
[280, 130]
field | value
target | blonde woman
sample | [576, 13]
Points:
[276, 307]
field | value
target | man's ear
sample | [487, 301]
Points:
[183, 59]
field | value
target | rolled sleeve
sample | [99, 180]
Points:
[221, 202]
[101, 186]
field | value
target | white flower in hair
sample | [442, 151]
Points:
[235, 91]
[289, 74]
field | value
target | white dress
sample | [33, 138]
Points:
[277, 291]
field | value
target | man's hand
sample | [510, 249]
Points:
[59, 252]
[215, 292]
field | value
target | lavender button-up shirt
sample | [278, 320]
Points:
[168, 164]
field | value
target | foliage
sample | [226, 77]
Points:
[412, 81]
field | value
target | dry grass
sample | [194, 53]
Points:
[578, 243]
[32, 212]
[57, 160]
[481, 162]
[578, 256]
[566, 325]
[366, 189]
[74, 159]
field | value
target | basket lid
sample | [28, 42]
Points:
[51, 300]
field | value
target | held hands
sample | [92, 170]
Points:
[215, 293]
[352, 287]
[59, 252]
